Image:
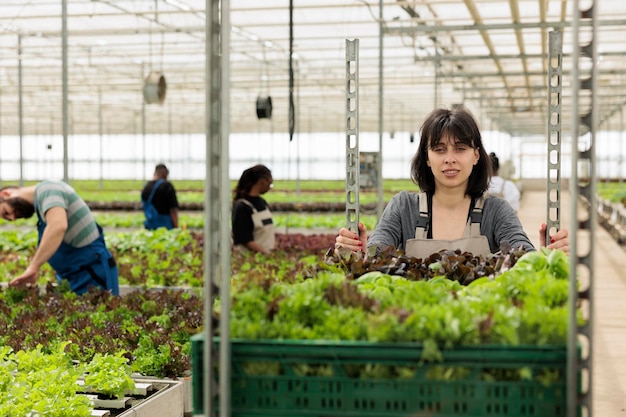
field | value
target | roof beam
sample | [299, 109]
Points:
[391, 29]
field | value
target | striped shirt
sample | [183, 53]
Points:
[81, 226]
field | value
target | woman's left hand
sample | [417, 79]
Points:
[347, 239]
[560, 240]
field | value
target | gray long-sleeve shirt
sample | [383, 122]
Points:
[397, 223]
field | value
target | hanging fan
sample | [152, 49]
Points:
[154, 88]
[263, 100]
[264, 107]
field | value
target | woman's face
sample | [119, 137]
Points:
[452, 163]
[267, 184]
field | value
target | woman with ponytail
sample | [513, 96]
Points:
[252, 225]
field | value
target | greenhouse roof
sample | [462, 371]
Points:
[491, 55]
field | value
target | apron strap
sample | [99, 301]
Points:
[154, 188]
[473, 222]
[423, 220]
[249, 204]
[476, 216]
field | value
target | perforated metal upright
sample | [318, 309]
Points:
[583, 183]
[352, 135]
[555, 100]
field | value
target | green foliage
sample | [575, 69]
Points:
[109, 374]
[175, 258]
[195, 220]
[18, 240]
[154, 323]
[290, 294]
[522, 305]
[613, 191]
[145, 257]
[160, 356]
[133, 187]
[332, 221]
[40, 383]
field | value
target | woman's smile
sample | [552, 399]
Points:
[450, 172]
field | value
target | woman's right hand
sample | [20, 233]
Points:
[347, 239]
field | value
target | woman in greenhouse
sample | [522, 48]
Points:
[452, 211]
[253, 228]
[69, 238]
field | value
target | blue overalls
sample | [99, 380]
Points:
[154, 219]
[89, 266]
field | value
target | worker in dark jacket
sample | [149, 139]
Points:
[159, 201]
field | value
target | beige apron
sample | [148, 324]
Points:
[472, 241]
[263, 232]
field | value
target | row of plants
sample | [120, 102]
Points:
[302, 291]
[311, 298]
[195, 220]
[293, 191]
[194, 199]
[52, 338]
[150, 328]
[146, 332]
[47, 383]
[295, 187]
[162, 258]
[451, 298]
[192, 191]
[612, 191]
[513, 298]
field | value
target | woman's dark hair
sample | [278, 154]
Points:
[250, 177]
[458, 124]
[495, 163]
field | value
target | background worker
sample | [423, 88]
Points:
[502, 187]
[159, 201]
[69, 238]
[252, 225]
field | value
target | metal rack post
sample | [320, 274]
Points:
[582, 183]
[380, 196]
[352, 135]
[555, 100]
[216, 203]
